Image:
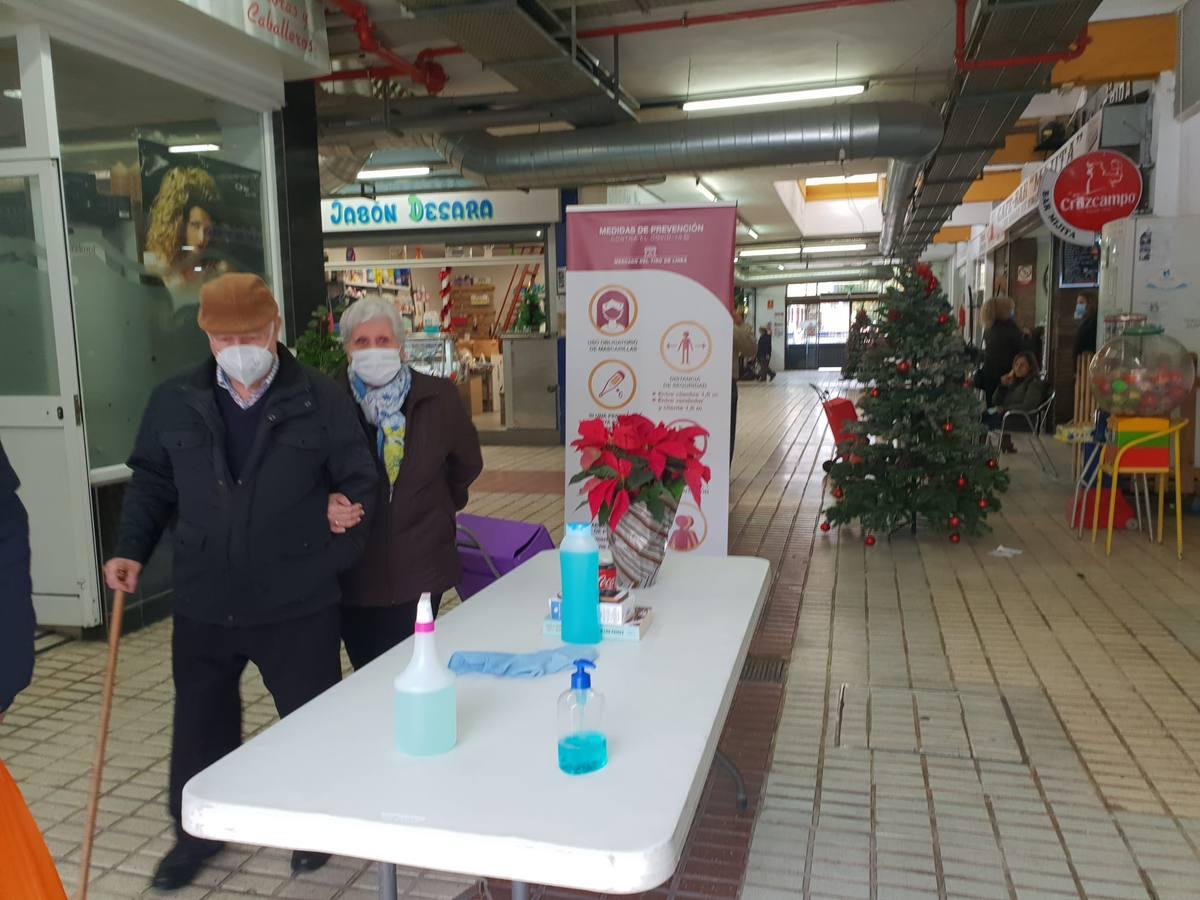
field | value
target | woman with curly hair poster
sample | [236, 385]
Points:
[205, 218]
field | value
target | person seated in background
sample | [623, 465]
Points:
[1002, 341]
[1020, 390]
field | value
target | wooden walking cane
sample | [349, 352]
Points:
[93, 805]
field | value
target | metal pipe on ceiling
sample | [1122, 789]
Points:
[602, 155]
[423, 71]
[684, 21]
[963, 64]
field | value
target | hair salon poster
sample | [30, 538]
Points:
[650, 331]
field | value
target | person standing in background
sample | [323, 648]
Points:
[26, 868]
[1085, 315]
[1002, 341]
[744, 347]
[764, 353]
[242, 454]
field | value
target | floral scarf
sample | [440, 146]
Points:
[383, 407]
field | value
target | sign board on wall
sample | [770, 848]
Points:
[1024, 200]
[452, 209]
[295, 27]
[1088, 193]
[650, 331]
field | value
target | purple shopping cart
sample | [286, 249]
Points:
[490, 548]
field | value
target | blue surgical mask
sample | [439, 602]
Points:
[1080, 310]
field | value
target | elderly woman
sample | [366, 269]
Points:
[1002, 341]
[428, 455]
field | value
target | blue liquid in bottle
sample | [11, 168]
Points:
[582, 752]
[579, 558]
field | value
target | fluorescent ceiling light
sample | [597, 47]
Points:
[845, 90]
[753, 234]
[12, 93]
[706, 190]
[869, 178]
[772, 251]
[393, 172]
[194, 148]
[835, 248]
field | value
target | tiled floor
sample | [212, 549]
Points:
[950, 724]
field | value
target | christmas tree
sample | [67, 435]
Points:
[919, 452]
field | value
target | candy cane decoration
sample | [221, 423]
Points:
[445, 294]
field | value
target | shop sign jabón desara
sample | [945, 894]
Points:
[442, 210]
[1088, 193]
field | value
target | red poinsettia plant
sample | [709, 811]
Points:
[637, 461]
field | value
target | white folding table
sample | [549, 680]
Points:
[328, 779]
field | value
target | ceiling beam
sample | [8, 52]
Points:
[1123, 50]
[953, 234]
[992, 187]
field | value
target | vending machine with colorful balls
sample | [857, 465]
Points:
[1149, 267]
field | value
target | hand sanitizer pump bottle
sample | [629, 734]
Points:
[426, 702]
[582, 746]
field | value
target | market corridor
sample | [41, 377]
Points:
[916, 719]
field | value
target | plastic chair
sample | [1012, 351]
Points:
[1035, 422]
[1142, 447]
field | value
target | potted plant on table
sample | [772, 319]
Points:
[634, 474]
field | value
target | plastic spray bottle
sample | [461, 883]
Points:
[426, 701]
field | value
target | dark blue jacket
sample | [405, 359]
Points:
[254, 549]
[16, 590]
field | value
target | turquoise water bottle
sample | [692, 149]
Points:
[426, 699]
[579, 558]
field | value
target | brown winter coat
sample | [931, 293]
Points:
[411, 548]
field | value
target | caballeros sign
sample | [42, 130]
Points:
[443, 210]
[1091, 191]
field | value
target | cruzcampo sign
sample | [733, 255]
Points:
[1088, 193]
[454, 209]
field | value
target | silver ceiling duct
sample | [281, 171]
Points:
[628, 152]
[856, 273]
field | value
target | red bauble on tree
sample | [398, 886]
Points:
[948, 427]
[893, 315]
[943, 319]
[962, 482]
[903, 367]
[955, 521]
[983, 504]
[824, 526]
[874, 392]
[992, 464]
[837, 493]
[954, 538]
[869, 540]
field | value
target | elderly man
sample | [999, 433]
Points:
[243, 453]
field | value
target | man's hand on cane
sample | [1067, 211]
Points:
[122, 574]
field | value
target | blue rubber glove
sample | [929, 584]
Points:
[518, 665]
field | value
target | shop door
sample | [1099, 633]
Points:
[803, 328]
[40, 415]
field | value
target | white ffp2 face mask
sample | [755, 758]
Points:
[247, 364]
[377, 366]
